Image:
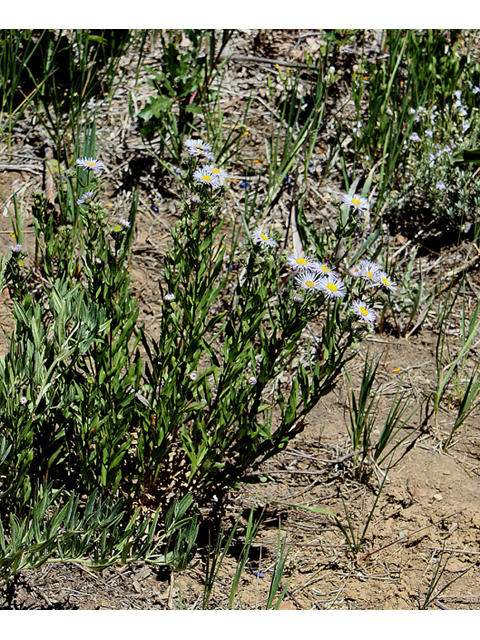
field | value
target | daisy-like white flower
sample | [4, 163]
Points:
[124, 223]
[332, 287]
[323, 268]
[197, 147]
[309, 280]
[205, 176]
[297, 262]
[92, 164]
[355, 271]
[366, 313]
[384, 279]
[369, 270]
[262, 239]
[220, 173]
[193, 143]
[358, 203]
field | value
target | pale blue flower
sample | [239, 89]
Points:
[363, 311]
[262, 239]
[205, 176]
[90, 164]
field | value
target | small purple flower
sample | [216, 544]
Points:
[258, 574]
[86, 196]
[243, 183]
[155, 209]
[23, 400]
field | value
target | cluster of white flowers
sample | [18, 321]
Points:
[209, 174]
[330, 285]
[373, 273]
[313, 275]
[199, 149]
[316, 276]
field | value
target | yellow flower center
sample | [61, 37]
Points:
[364, 311]
[332, 286]
[356, 202]
[264, 237]
[325, 269]
[90, 163]
[386, 281]
[309, 283]
[207, 178]
[369, 274]
[302, 261]
[215, 170]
